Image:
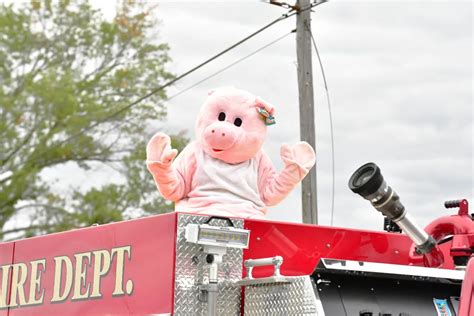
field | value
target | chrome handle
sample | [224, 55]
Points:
[276, 262]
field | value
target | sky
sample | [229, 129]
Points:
[400, 82]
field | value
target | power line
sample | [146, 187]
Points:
[330, 124]
[284, 16]
[189, 88]
[228, 66]
[169, 83]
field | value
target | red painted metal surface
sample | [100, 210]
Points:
[301, 246]
[149, 272]
[460, 226]
[144, 287]
[6, 258]
[466, 304]
[463, 207]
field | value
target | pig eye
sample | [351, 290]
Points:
[221, 116]
[238, 121]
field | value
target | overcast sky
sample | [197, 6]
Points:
[400, 81]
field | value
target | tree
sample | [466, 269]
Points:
[65, 74]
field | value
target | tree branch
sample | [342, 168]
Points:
[25, 140]
[106, 62]
[20, 229]
[56, 208]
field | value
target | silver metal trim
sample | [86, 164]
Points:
[192, 271]
[317, 303]
[418, 235]
[266, 280]
[377, 195]
[387, 270]
[296, 298]
[389, 199]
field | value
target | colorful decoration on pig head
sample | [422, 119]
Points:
[232, 124]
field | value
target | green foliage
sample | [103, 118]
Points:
[63, 69]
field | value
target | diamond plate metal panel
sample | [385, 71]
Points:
[295, 298]
[191, 271]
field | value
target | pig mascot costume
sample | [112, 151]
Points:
[225, 171]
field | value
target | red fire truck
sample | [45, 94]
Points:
[187, 264]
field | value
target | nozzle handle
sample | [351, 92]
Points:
[452, 203]
[461, 203]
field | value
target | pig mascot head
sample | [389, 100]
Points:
[231, 125]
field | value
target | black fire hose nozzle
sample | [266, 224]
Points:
[368, 182]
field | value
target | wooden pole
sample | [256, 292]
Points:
[306, 102]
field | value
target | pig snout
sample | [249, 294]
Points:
[220, 136]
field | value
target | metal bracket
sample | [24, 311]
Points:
[204, 290]
[202, 296]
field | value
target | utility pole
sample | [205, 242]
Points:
[306, 101]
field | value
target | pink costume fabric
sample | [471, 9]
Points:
[225, 171]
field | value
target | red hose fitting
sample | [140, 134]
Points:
[460, 226]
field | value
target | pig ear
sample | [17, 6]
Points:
[263, 104]
[210, 92]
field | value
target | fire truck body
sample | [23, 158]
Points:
[149, 266]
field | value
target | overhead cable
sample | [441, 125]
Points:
[169, 83]
[330, 123]
[229, 66]
[284, 16]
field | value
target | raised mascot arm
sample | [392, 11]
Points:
[169, 180]
[298, 160]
